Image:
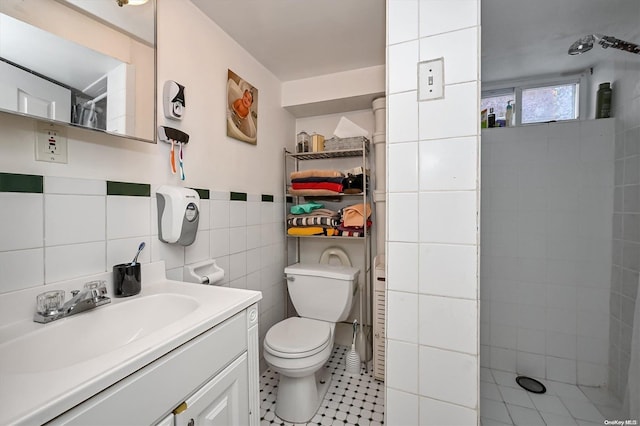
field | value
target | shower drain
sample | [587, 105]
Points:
[532, 385]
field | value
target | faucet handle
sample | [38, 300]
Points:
[50, 302]
[74, 293]
[98, 288]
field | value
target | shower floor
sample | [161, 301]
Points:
[350, 400]
[503, 402]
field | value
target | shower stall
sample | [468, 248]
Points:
[560, 249]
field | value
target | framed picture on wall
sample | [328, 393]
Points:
[242, 109]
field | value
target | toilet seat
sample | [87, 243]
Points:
[342, 256]
[297, 338]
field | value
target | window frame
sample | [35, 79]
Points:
[516, 87]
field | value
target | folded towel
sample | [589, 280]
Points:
[355, 215]
[305, 208]
[316, 212]
[318, 179]
[354, 228]
[311, 192]
[324, 221]
[311, 230]
[340, 233]
[337, 187]
[316, 173]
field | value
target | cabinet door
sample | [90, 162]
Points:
[167, 421]
[224, 400]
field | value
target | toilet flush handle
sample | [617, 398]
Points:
[289, 278]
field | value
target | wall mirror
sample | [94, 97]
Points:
[82, 63]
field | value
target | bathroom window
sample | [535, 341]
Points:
[537, 100]
[498, 101]
[549, 103]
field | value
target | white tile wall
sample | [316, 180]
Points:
[22, 268]
[402, 57]
[75, 229]
[74, 219]
[432, 215]
[438, 277]
[546, 256]
[449, 376]
[403, 364]
[128, 216]
[626, 236]
[405, 408]
[22, 216]
[438, 413]
[448, 164]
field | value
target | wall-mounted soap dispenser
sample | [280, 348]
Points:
[178, 214]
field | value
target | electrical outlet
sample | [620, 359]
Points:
[51, 143]
[431, 79]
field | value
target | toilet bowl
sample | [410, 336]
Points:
[298, 347]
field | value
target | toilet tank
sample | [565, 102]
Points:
[320, 291]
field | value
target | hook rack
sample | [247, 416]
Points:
[167, 134]
[172, 136]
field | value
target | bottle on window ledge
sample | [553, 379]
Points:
[492, 118]
[508, 117]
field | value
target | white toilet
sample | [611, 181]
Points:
[299, 347]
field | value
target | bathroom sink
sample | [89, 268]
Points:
[95, 333]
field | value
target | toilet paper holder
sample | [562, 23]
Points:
[206, 272]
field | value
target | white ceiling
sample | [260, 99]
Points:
[524, 38]
[137, 21]
[304, 38]
[520, 38]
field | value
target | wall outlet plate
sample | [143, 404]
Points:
[431, 79]
[51, 143]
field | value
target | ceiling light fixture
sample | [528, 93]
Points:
[585, 44]
[131, 2]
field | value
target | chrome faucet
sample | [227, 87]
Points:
[51, 306]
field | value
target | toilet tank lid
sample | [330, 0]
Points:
[338, 272]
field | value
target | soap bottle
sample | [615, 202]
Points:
[508, 117]
[492, 118]
[603, 101]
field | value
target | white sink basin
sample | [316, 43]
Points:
[47, 369]
[93, 333]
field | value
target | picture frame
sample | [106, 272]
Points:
[242, 109]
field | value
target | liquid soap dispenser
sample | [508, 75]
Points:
[178, 214]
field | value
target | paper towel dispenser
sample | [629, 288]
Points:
[178, 214]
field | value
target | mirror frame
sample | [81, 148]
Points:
[65, 124]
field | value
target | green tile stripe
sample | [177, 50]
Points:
[11, 182]
[128, 188]
[204, 194]
[267, 198]
[238, 196]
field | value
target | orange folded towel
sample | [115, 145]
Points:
[356, 215]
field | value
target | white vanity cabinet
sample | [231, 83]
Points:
[212, 379]
[220, 401]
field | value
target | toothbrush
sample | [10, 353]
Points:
[172, 158]
[180, 158]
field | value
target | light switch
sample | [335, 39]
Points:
[431, 79]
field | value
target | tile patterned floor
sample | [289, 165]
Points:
[350, 400]
[503, 402]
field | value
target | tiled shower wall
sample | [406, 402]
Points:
[432, 229]
[546, 228]
[55, 229]
[626, 220]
